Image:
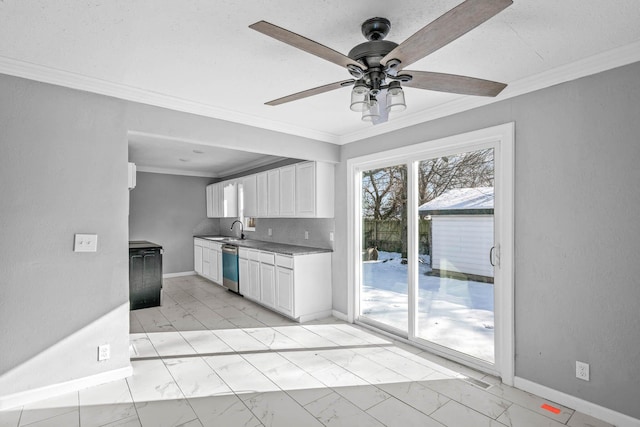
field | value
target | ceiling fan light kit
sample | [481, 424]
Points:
[377, 65]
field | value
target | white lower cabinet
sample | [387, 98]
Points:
[197, 256]
[208, 259]
[216, 262]
[268, 284]
[284, 290]
[249, 270]
[298, 287]
[254, 279]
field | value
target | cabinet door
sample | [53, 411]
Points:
[254, 279]
[305, 189]
[210, 213]
[288, 190]
[249, 200]
[229, 199]
[206, 262]
[244, 278]
[273, 193]
[216, 200]
[197, 258]
[216, 264]
[268, 284]
[262, 190]
[284, 290]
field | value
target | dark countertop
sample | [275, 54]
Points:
[143, 244]
[281, 248]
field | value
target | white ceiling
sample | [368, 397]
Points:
[163, 155]
[200, 56]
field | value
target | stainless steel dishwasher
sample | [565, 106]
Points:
[230, 268]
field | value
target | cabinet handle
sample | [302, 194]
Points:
[491, 256]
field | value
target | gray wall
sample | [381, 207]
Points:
[169, 210]
[577, 234]
[63, 170]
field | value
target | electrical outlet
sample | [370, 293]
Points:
[306, 235]
[104, 352]
[582, 370]
[331, 236]
[270, 232]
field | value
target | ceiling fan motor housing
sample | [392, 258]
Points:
[376, 28]
[370, 53]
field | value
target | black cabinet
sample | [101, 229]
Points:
[145, 274]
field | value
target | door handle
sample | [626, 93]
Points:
[491, 256]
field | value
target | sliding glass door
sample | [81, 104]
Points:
[432, 228]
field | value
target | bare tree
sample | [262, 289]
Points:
[384, 190]
[380, 188]
[466, 170]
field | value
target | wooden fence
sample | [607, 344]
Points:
[387, 235]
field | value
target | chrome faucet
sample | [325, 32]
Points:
[241, 228]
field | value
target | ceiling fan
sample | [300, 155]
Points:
[378, 66]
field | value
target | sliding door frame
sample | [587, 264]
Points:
[501, 138]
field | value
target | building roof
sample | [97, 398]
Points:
[461, 201]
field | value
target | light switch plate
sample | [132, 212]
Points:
[85, 243]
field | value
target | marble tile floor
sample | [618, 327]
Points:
[210, 358]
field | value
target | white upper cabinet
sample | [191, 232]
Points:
[214, 209]
[222, 200]
[302, 190]
[273, 193]
[288, 190]
[214, 200]
[314, 194]
[229, 199]
[249, 195]
[262, 188]
[210, 201]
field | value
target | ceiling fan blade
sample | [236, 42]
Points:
[304, 43]
[310, 92]
[448, 27]
[452, 83]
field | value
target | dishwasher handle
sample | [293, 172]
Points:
[230, 249]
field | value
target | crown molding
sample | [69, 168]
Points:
[585, 67]
[588, 66]
[77, 81]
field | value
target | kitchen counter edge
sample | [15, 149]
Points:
[281, 248]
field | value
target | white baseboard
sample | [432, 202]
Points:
[180, 274]
[28, 396]
[339, 315]
[616, 418]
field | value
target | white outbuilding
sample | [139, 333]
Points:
[461, 232]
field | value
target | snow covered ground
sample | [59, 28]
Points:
[454, 313]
